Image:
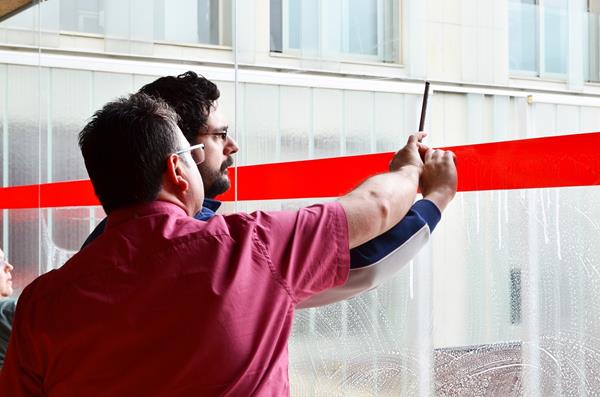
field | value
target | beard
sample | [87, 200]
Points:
[215, 181]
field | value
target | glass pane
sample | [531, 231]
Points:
[523, 28]
[303, 20]
[527, 260]
[276, 22]
[208, 22]
[362, 25]
[86, 16]
[193, 21]
[593, 47]
[556, 36]
[183, 20]
[333, 22]
[334, 28]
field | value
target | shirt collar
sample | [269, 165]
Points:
[211, 204]
[208, 209]
[139, 210]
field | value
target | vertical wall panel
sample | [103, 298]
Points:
[71, 93]
[389, 115]
[358, 114]
[261, 124]
[544, 119]
[328, 122]
[295, 120]
[590, 119]
[567, 119]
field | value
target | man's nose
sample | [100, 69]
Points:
[231, 146]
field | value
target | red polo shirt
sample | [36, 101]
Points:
[165, 305]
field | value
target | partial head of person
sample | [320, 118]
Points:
[194, 98]
[6, 288]
[135, 153]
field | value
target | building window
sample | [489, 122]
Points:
[333, 29]
[538, 37]
[185, 21]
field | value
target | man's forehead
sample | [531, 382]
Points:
[216, 120]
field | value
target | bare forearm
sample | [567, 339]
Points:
[440, 198]
[379, 203]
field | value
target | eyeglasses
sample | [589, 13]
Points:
[199, 153]
[221, 134]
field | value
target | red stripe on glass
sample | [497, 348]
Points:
[559, 161]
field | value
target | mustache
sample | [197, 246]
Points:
[227, 163]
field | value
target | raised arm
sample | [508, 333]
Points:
[383, 200]
[383, 257]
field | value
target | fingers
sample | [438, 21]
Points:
[450, 155]
[434, 155]
[429, 154]
[416, 138]
[422, 149]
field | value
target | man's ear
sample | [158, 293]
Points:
[175, 174]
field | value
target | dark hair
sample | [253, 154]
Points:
[190, 95]
[125, 146]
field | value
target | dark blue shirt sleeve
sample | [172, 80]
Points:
[422, 213]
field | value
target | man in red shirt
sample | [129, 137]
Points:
[163, 305]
